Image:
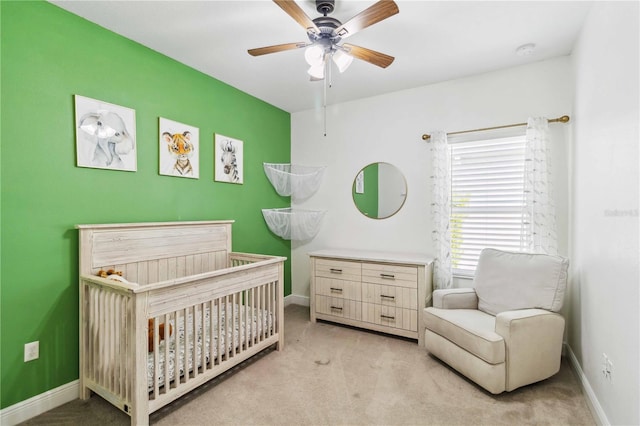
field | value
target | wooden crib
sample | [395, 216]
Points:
[189, 310]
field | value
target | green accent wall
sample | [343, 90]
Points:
[48, 56]
[367, 202]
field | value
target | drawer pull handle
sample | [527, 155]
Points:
[387, 297]
[388, 276]
[335, 290]
[335, 271]
[336, 308]
[387, 317]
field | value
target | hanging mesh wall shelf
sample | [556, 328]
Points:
[299, 182]
[293, 224]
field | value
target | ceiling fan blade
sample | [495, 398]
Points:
[276, 48]
[371, 56]
[298, 14]
[376, 13]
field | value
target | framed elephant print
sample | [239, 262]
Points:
[105, 135]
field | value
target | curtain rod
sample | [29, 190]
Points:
[563, 119]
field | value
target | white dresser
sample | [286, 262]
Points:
[379, 291]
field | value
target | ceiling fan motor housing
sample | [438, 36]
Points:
[325, 6]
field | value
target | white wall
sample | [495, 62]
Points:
[389, 128]
[604, 234]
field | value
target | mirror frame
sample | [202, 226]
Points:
[406, 190]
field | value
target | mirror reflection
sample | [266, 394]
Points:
[379, 190]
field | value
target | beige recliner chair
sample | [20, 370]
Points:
[503, 333]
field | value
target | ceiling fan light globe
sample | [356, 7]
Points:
[342, 60]
[314, 55]
[316, 71]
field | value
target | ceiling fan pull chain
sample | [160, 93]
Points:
[324, 105]
[329, 68]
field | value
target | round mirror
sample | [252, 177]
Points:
[379, 190]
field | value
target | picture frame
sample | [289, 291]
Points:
[360, 182]
[228, 158]
[105, 135]
[179, 149]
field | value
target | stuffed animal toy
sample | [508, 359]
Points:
[112, 274]
[160, 330]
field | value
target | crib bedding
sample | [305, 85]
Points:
[235, 336]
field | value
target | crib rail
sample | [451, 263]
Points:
[209, 338]
[186, 333]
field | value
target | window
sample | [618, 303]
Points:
[487, 199]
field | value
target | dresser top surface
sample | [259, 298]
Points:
[374, 256]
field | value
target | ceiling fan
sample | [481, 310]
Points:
[325, 34]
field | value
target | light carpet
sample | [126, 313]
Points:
[334, 375]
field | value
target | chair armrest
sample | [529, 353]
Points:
[455, 298]
[533, 344]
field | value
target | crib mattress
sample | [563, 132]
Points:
[234, 336]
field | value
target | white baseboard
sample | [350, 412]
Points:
[294, 299]
[39, 404]
[592, 401]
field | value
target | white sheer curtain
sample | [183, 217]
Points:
[441, 209]
[540, 209]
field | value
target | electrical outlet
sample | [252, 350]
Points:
[31, 351]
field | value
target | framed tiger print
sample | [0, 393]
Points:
[228, 159]
[105, 135]
[179, 149]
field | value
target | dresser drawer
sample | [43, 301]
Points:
[386, 274]
[390, 295]
[338, 269]
[339, 288]
[389, 316]
[338, 307]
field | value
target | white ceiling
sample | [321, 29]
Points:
[432, 41]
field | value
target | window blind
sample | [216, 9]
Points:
[487, 199]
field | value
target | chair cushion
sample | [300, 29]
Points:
[506, 281]
[470, 329]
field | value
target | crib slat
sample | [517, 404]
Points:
[232, 321]
[269, 306]
[254, 330]
[129, 361]
[169, 339]
[259, 313]
[211, 346]
[203, 334]
[187, 342]
[247, 325]
[194, 343]
[226, 328]
[219, 315]
[176, 361]
[117, 326]
[101, 342]
[111, 342]
[156, 364]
